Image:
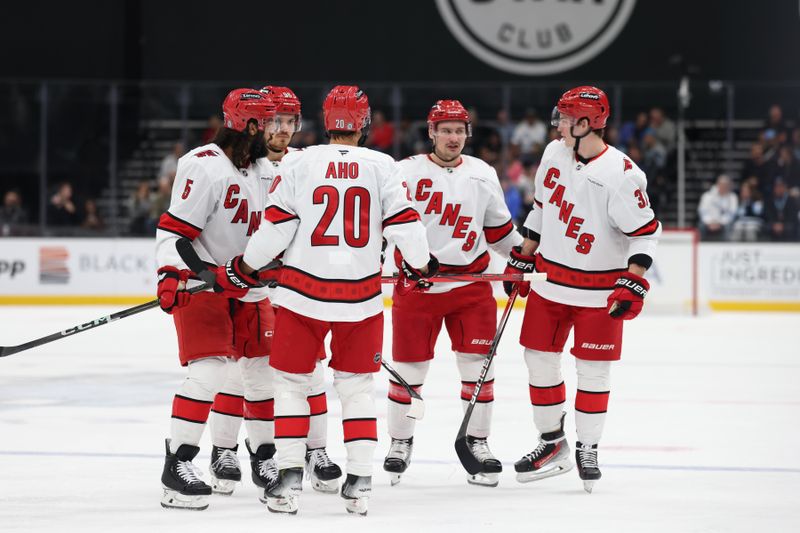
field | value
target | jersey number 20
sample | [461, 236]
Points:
[356, 204]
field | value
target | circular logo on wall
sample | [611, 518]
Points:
[535, 37]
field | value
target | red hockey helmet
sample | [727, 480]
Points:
[243, 105]
[346, 108]
[584, 102]
[449, 110]
[286, 102]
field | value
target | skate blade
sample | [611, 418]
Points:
[555, 470]
[173, 499]
[223, 487]
[588, 485]
[326, 487]
[356, 506]
[288, 505]
[416, 410]
[484, 480]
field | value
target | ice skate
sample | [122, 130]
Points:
[284, 497]
[490, 475]
[398, 459]
[183, 488]
[588, 470]
[323, 473]
[263, 467]
[550, 458]
[225, 470]
[356, 492]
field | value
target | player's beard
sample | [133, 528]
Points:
[276, 145]
[258, 147]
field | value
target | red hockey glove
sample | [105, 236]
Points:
[627, 299]
[231, 281]
[518, 263]
[269, 277]
[410, 279]
[170, 293]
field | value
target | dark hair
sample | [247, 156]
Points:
[245, 148]
[335, 134]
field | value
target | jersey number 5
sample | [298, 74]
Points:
[329, 195]
[187, 189]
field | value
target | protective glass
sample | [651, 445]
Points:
[288, 123]
[556, 117]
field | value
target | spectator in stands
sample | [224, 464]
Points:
[717, 210]
[780, 214]
[654, 153]
[750, 214]
[91, 216]
[214, 124]
[632, 130]
[796, 143]
[140, 205]
[513, 198]
[775, 126]
[12, 213]
[530, 134]
[62, 210]
[169, 165]
[527, 184]
[381, 133]
[161, 199]
[505, 127]
[787, 168]
[664, 128]
[758, 166]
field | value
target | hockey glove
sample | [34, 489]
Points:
[171, 293]
[627, 299]
[231, 281]
[410, 279]
[518, 263]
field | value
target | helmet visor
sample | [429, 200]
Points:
[557, 117]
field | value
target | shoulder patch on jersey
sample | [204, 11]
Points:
[627, 165]
[206, 153]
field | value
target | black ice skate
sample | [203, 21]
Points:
[550, 458]
[183, 488]
[284, 496]
[263, 467]
[225, 470]
[489, 476]
[356, 492]
[398, 459]
[323, 473]
[586, 458]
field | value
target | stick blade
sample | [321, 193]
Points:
[468, 461]
[417, 409]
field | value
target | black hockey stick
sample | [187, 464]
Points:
[113, 317]
[199, 267]
[468, 461]
[417, 408]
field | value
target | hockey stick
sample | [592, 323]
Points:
[113, 317]
[468, 461]
[447, 277]
[417, 408]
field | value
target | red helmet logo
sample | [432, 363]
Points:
[243, 105]
[585, 102]
[346, 108]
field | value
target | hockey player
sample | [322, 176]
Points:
[329, 208]
[593, 232]
[461, 204]
[229, 407]
[217, 202]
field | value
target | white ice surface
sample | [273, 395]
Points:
[701, 435]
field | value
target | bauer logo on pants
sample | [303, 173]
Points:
[535, 37]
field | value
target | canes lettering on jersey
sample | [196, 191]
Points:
[573, 223]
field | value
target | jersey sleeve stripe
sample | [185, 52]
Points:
[409, 214]
[330, 290]
[171, 223]
[648, 229]
[578, 279]
[498, 233]
[276, 215]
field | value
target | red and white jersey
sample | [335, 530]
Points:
[215, 205]
[464, 212]
[330, 207]
[592, 217]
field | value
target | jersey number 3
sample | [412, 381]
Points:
[356, 204]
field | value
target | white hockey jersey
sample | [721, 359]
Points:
[330, 207]
[215, 205]
[464, 212]
[592, 217]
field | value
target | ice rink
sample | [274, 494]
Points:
[702, 435]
